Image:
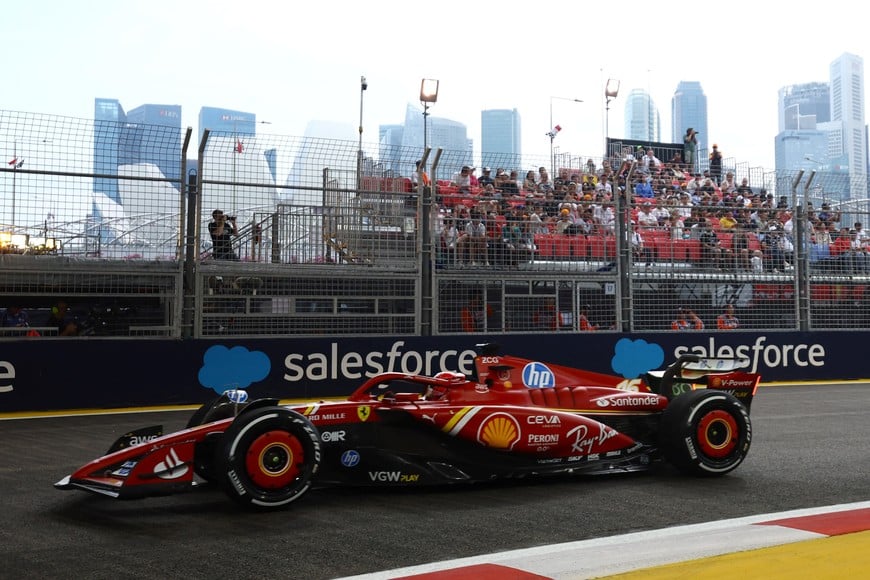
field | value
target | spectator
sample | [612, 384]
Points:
[756, 262]
[727, 320]
[652, 163]
[716, 164]
[544, 183]
[639, 251]
[486, 178]
[450, 239]
[742, 189]
[712, 253]
[473, 178]
[420, 175]
[510, 186]
[687, 320]
[861, 234]
[826, 215]
[583, 319]
[472, 245]
[474, 315]
[565, 223]
[222, 228]
[676, 226]
[530, 185]
[462, 179]
[646, 217]
[644, 188]
[690, 146]
[822, 236]
[740, 249]
[15, 316]
[62, 320]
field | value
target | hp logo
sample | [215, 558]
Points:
[536, 375]
[350, 458]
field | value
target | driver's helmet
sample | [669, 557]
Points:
[450, 376]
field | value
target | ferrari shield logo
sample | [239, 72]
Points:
[363, 412]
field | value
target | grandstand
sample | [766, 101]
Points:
[347, 245]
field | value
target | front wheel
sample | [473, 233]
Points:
[706, 432]
[268, 457]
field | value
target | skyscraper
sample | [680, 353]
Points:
[689, 109]
[847, 115]
[227, 121]
[500, 138]
[802, 142]
[642, 120]
[803, 106]
[450, 135]
[135, 137]
[144, 143]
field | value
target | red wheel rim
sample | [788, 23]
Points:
[717, 434]
[274, 459]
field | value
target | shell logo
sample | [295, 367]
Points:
[715, 382]
[500, 431]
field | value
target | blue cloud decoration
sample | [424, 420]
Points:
[632, 358]
[225, 368]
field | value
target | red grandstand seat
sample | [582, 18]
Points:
[579, 248]
[544, 242]
[562, 246]
[602, 246]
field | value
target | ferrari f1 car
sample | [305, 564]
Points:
[511, 418]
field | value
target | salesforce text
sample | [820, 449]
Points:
[772, 355]
[334, 365]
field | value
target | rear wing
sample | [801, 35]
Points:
[691, 372]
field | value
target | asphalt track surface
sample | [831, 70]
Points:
[809, 449]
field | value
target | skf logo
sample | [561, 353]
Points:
[538, 375]
[172, 467]
[500, 431]
[364, 412]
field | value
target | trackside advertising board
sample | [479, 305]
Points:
[58, 374]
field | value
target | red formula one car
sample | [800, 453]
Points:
[513, 418]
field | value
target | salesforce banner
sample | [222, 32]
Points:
[43, 375]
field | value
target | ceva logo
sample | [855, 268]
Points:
[537, 375]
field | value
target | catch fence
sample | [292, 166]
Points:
[334, 239]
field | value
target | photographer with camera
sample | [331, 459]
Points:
[690, 146]
[222, 228]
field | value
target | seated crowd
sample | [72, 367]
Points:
[676, 216]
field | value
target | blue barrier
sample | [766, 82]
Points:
[78, 374]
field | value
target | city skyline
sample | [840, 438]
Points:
[251, 62]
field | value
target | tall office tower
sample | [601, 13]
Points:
[500, 138]
[449, 135]
[689, 109]
[390, 148]
[802, 141]
[140, 136]
[847, 115]
[227, 121]
[802, 106]
[127, 215]
[642, 120]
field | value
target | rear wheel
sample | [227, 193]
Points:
[268, 457]
[706, 432]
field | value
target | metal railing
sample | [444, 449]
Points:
[336, 246]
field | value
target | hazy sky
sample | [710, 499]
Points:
[293, 62]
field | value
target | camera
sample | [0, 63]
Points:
[232, 218]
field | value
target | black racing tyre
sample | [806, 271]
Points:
[268, 457]
[706, 432]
